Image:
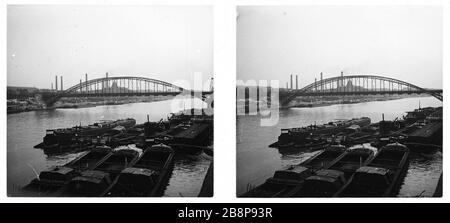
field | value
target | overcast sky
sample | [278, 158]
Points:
[403, 42]
[166, 43]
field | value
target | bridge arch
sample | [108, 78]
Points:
[360, 84]
[122, 84]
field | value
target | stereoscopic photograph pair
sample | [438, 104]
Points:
[118, 101]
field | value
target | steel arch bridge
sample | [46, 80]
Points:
[122, 86]
[357, 85]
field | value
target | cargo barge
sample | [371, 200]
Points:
[382, 175]
[300, 136]
[56, 138]
[286, 180]
[98, 181]
[53, 179]
[148, 177]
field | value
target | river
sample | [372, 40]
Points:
[27, 129]
[256, 161]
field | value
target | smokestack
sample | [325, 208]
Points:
[315, 84]
[61, 83]
[321, 78]
[86, 82]
[81, 88]
[51, 86]
[296, 82]
[107, 82]
[56, 82]
[287, 85]
[292, 86]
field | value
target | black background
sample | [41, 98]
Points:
[152, 212]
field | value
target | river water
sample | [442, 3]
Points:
[27, 129]
[256, 161]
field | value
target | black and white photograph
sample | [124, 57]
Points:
[339, 101]
[219, 111]
[109, 101]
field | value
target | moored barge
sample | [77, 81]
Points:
[381, 176]
[352, 160]
[51, 180]
[325, 158]
[91, 159]
[98, 181]
[282, 181]
[326, 182]
[148, 176]
[285, 181]
[56, 138]
[299, 136]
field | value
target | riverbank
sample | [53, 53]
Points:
[311, 102]
[27, 105]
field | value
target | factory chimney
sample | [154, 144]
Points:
[315, 84]
[107, 81]
[321, 78]
[86, 77]
[292, 86]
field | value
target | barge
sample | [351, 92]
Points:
[285, 181]
[326, 182]
[299, 136]
[282, 181]
[55, 138]
[188, 138]
[353, 159]
[91, 159]
[325, 158]
[381, 176]
[148, 177]
[51, 180]
[96, 182]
